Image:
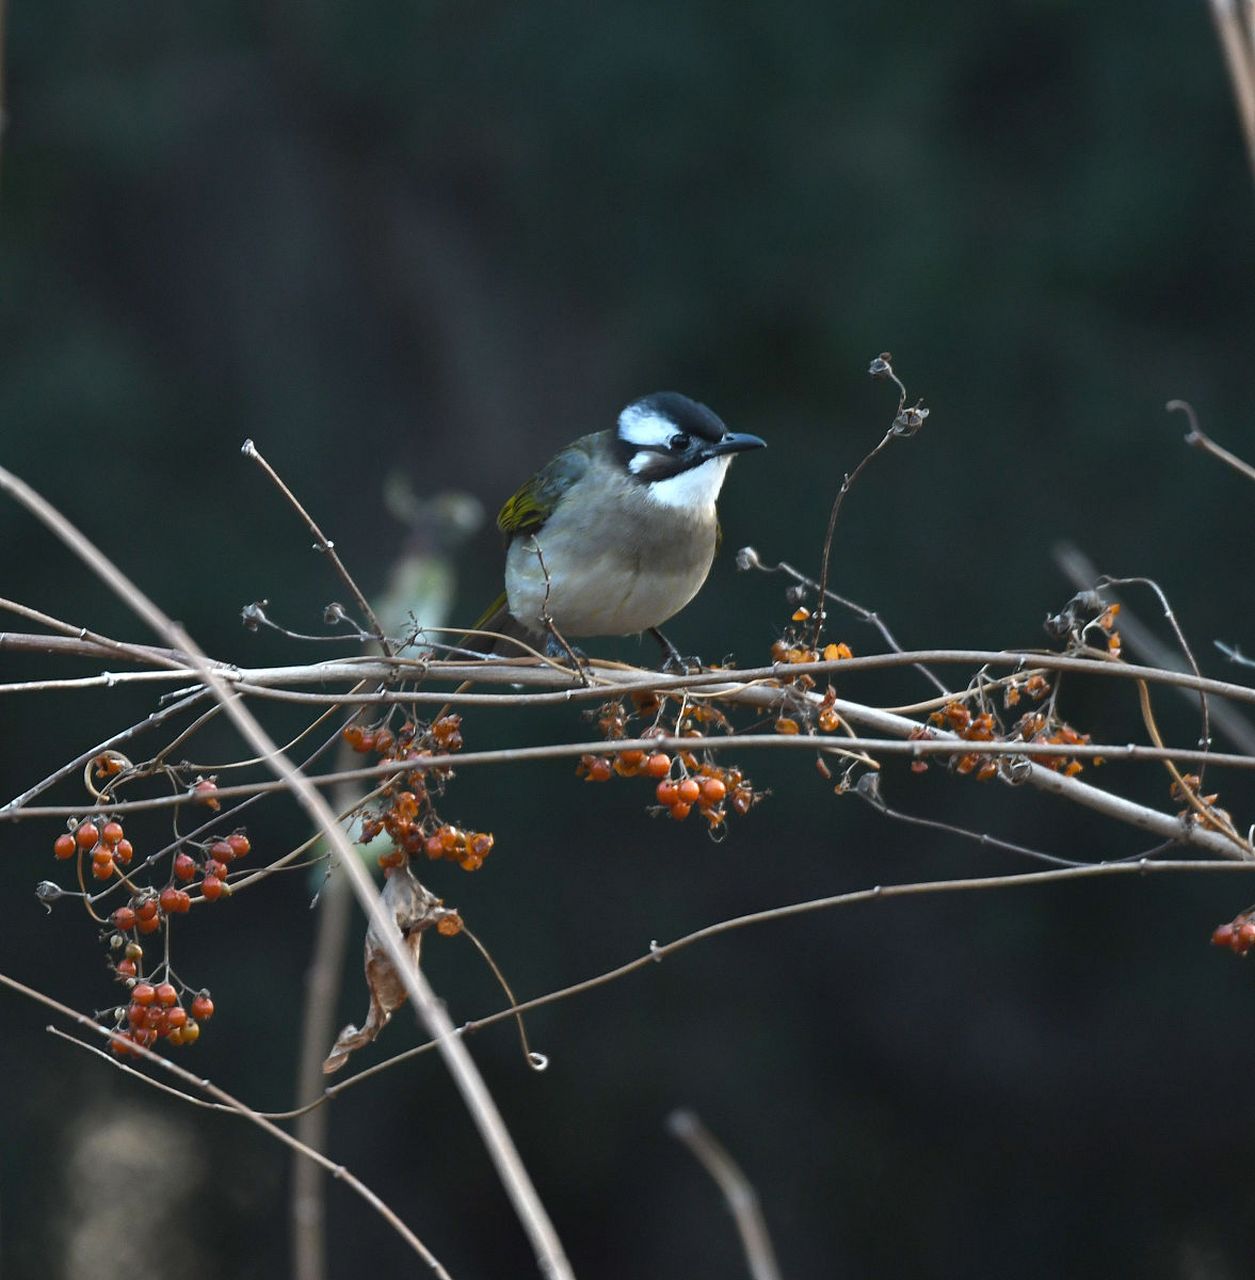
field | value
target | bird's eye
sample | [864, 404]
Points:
[680, 442]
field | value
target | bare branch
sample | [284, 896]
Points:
[738, 1192]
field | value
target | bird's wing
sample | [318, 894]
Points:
[528, 509]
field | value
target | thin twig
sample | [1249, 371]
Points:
[229, 1101]
[748, 558]
[324, 544]
[1144, 865]
[1081, 573]
[738, 1192]
[1197, 437]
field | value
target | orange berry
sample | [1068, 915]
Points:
[169, 900]
[713, 791]
[176, 1018]
[143, 994]
[433, 847]
[112, 832]
[184, 867]
[203, 1007]
[689, 790]
[147, 910]
[124, 919]
[123, 852]
[658, 765]
[87, 835]
[239, 844]
[667, 793]
[103, 870]
[599, 769]
[681, 810]
[126, 968]
[64, 846]
[151, 925]
[385, 740]
[449, 926]
[166, 994]
[211, 888]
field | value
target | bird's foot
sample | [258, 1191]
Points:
[557, 647]
[674, 662]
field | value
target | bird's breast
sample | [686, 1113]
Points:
[600, 571]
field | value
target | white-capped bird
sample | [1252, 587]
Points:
[618, 531]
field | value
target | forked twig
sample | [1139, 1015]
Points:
[324, 544]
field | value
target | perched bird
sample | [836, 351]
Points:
[617, 532]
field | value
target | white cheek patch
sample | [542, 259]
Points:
[644, 426]
[641, 460]
[693, 490]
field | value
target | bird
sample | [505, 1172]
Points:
[617, 532]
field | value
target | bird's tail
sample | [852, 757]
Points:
[497, 617]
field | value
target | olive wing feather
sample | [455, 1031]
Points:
[528, 509]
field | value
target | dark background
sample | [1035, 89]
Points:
[445, 239]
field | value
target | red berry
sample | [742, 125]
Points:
[166, 994]
[103, 870]
[211, 888]
[176, 1018]
[147, 910]
[169, 900]
[124, 919]
[64, 846]
[239, 844]
[150, 925]
[689, 790]
[221, 850]
[87, 835]
[101, 855]
[599, 769]
[202, 1008]
[184, 867]
[135, 1014]
[1222, 936]
[658, 765]
[144, 993]
[112, 832]
[215, 868]
[124, 851]
[667, 793]
[126, 968]
[681, 810]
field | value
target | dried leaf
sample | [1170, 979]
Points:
[415, 910]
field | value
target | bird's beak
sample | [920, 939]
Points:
[734, 442]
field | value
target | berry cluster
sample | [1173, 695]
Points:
[106, 844]
[407, 812]
[681, 783]
[1238, 935]
[793, 648]
[154, 1013]
[984, 725]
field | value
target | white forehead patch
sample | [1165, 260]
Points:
[640, 425]
[693, 490]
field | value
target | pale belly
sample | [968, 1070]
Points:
[595, 593]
